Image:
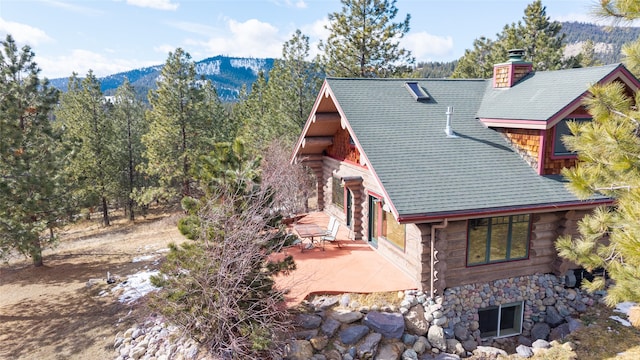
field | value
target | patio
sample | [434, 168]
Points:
[354, 267]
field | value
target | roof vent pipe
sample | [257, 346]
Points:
[448, 130]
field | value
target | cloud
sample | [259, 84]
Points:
[154, 4]
[72, 7]
[425, 46]
[252, 38]
[300, 4]
[164, 49]
[23, 33]
[81, 61]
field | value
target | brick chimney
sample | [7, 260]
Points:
[508, 73]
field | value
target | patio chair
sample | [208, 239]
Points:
[332, 236]
[332, 223]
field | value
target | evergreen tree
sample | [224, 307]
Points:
[364, 42]
[608, 163]
[129, 125]
[181, 128]
[31, 157]
[536, 34]
[84, 114]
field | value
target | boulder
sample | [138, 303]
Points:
[308, 321]
[368, 347]
[455, 347]
[298, 350]
[330, 326]
[435, 335]
[553, 317]
[574, 324]
[390, 351]
[489, 350]
[461, 332]
[390, 325]
[559, 332]
[470, 345]
[415, 322]
[421, 345]
[353, 334]
[346, 316]
[540, 344]
[524, 351]
[319, 342]
[540, 331]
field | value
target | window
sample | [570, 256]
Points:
[392, 230]
[501, 321]
[416, 91]
[498, 239]
[562, 129]
[337, 192]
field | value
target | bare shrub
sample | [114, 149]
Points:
[220, 288]
[292, 183]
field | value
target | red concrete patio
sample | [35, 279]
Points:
[354, 267]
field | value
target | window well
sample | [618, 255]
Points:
[416, 90]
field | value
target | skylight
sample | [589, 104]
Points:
[416, 91]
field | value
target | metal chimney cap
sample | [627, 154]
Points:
[516, 55]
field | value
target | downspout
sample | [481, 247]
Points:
[433, 250]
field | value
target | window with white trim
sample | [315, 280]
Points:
[501, 321]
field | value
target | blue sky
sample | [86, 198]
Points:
[110, 36]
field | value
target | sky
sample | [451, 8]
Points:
[111, 36]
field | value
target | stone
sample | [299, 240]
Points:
[570, 279]
[574, 324]
[346, 316]
[445, 356]
[559, 332]
[409, 339]
[455, 347]
[298, 350]
[332, 354]
[421, 345]
[415, 322]
[324, 302]
[390, 351]
[118, 342]
[435, 335]
[549, 301]
[308, 321]
[305, 334]
[461, 332]
[137, 352]
[569, 346]
[524, 351]
[390, 325]
[489, 350]
[470, 345]
[345, 300]
[523, 340]
[553, 318]
[441, 321]
[409, 354]
[319, 342]
[540, 344]
[353, 334]
[540, 331]
[330, 326]
[368, 346]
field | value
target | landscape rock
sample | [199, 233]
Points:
[435, 335]
[540, 344]
[461, 332]
[319, 342]
[421, 345]
[560, 332]
[299, 350]
[415, 321]
[524, 351]
[390, 325]
[540, 331]
[409, 354]
[353, 334]
[346, 316]
[489, 350]
[553, 317]
[390, 351]
[455, 347]
[574, 324]
[330, 326]
[308, 321]
[368, 346]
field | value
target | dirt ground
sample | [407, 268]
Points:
[52, 313]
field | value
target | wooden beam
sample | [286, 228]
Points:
[313, 141]
[326, 117]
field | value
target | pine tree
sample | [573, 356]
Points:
[31, 187]
[129, 126]
[364, 42]
[84, 114]
[536, 34]
[181, 128]
[608, 164]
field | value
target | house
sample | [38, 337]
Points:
[457, 181]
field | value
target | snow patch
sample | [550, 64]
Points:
[136, 286]
[623, 308]
[254, 64]
[143, 258]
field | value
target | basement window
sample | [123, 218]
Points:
[501, 321]
[416, 91]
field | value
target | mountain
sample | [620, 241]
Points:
[228, 75]
[607, 40]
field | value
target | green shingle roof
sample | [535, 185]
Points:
[540, 95]
[424, 172]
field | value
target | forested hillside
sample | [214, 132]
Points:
[607, 40]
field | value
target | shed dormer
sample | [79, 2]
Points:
[505, 75]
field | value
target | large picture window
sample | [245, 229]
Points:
[337, 192]
[392, 230]
[561, 130]
[500, 321]
[498, 239]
